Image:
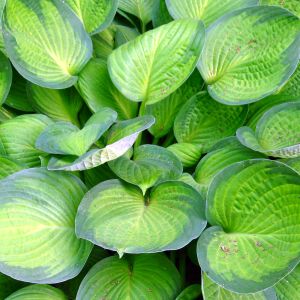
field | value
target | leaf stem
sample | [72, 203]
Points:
[143, 27]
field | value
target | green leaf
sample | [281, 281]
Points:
[294, 163]
[253, 207]
[45, 41]
[155, 64]
[225, 153]
[291, 5]
[192, 292]
[166, 110]
[288, 288]
[189, 154]
[207, 11]
[213, 291]
[116, 216]
[148, 276]
[8, 286]
[37, 216]
[2, 5]
[160, 14]
[104, 42]
[38, 291]
[98, 91]
[5, 77]
[18, 136]
[188, 179]
[65, 138]
[96, 175]
[96, 15]
[124, 34]
[5, 115]
[9, 166]
[60, 105]
[121, 138]
[204, 121]
[277, 132]
[150, 164]
[250, 53]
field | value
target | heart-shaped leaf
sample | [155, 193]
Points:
[37, 215]
[5, 77]
[253, 207]
[65, 138]
[38, 291]
[277, 133]
[291, 5]
[98, 91]
[207, 11]
[213, 291]
[189, 154]
[240, 63]
[192, 292]
[18, 136]
[121, 138]
[150, 164]
[224, 153]
[115, 215]
[9, 166]
[45, 41]
[96, 15]
[146, 276]
[155, 64]
[60, 105]
[204, 121]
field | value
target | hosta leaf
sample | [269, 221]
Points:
[150, 164]
[65, 138]
[160, 14]
[2, 5]
[240, 63]
[9, 166]
[253, 207]
[121, 138]
[188, 179]
[146, 276]
[155, 64]
[38, 291]
[204, 121]
[18, 136]
[213, 291]
[37, 215]
[224, 153]
[124, 34]
[188, 154]
[277, 132]
[45, 41]
[115, 215]
[291, 5]
[98, 91]
[206, 10]
[5, 115]
[166, 110]
[60, 105]
[293, 163]
[5, 77]
[104, 42]
[96, 175]
[96, 15]
[192, 292]
[8, 285]
[288, 288]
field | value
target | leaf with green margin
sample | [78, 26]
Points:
[253, 207]
[60, 105]
[288, 288]
[213, 291]
[160, 14]
[239, 61]
[166, 110]
[143, 277]
[139, 8]
[17, 97]
[207, 11]
[115, 215]
[125, 34]
[204, 121]
[95, 15]
[66, 138]
[294, 163]
[223, 154]
[150, 165]
[8, 285]
[277, 133]
[291, 5]
[155, 64]
[98, 91]
[5, 77]
[8, 167]
[18, 136]
[121, 138]
[37, 217]
[104, 42]
[192, 292]
[45, 41]
[38, 291]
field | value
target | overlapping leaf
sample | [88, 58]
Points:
[291, 5]
[9, 166]
[192, 292]
[189, 154]
[5, 77]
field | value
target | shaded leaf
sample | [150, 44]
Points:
[5, 77]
